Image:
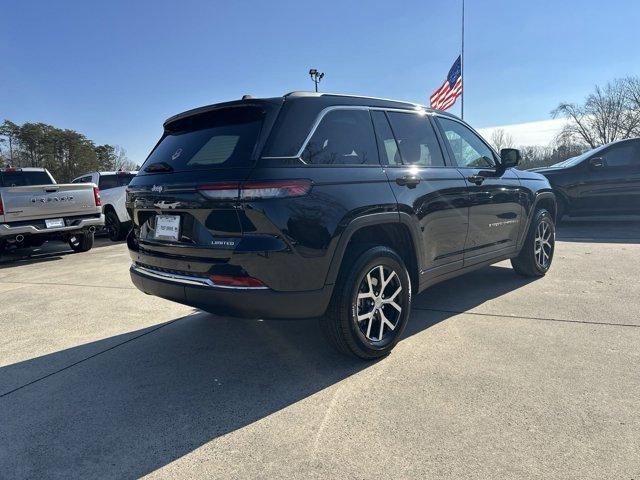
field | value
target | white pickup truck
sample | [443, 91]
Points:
[34, 209]
[112, 187]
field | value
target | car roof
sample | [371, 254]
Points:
[325, 98]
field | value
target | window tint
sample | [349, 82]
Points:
[622, 156]
[468, 149]
[20, 179]
[219, 139]
[416, 139]
[107, 181]
[343, 137]
[124, 179]
[85, 179]
[387, 145]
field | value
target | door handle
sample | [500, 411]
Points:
[477, 179]
[408, 181]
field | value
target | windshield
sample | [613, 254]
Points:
[219, 139]
[570, 162]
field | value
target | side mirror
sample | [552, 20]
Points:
[509, 157]
[596, 163]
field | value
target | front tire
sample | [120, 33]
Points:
[370, 305]
[534, 260]
[81, 242]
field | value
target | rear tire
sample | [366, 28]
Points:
[81, 242]
[534, 260]
[117, 230]
[375, 288]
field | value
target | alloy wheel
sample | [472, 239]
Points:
[543, 245]
[378, 303]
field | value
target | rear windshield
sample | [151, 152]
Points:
[21, 179]
[220, 139]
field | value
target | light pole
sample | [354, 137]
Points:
[316, 76]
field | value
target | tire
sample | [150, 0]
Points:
[357, 293]
[116, 230]
[81, 242]
[532, 262]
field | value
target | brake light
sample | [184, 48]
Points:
[220, 191]
[255, 190]
[275, 189]
[96, 196]
[236, 281]
[1, 207]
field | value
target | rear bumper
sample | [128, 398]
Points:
[237, 302]
[9, 230]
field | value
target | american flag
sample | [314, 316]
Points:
[445, 96]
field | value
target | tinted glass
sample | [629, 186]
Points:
[343, 137]
[86, 179]
[220, 139]
[416, 139]
[622, 156]
[387, 145]
[107, 181]
[468, 149]
[124, 179]
[21, 179]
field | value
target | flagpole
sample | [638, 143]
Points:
[462, 67]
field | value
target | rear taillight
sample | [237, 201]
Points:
[96, 196]
[220, 191]
[1, 207]
[236, 281]
[274, 189]
[256, 190]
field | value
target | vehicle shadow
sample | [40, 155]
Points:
[48, 252]
[125, 408]
[599, 231]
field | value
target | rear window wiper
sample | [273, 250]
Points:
[159, 167]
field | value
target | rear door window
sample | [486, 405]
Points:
[22, 179]
[416, 139]
[124, 179]
[107, 181]
[343, 137]
[387, 145]
[220, 139]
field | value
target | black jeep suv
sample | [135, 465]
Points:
[331, 206]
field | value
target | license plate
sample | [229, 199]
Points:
[54, 222]
[168, 227]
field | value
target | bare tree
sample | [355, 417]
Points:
[608, 114]
[501, 139]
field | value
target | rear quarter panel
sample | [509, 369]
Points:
[311, 225]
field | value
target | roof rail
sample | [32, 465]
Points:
[321, 94]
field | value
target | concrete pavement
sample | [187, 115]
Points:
[497, 377]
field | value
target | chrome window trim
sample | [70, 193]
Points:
[316, 123]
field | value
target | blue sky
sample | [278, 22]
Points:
[115, 70]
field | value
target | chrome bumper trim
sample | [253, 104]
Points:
[186, 279]
[8, 230]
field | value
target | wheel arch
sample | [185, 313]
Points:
[392, 229]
